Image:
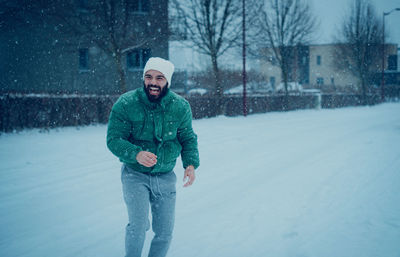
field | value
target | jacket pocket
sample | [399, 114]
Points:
[171, 150]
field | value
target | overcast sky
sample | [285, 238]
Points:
[331, 12]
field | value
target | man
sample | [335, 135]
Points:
[148, 129]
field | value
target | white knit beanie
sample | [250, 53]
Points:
[159, 64]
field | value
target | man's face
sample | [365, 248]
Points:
[155, 84]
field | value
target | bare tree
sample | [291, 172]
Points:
[283, 25]
[111, 25]
[361, 41]
[212, 27]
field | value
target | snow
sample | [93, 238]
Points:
[292, 86]
[311, 91]
[234, 90]
[199, 91]
[303, 183]
[252, 87]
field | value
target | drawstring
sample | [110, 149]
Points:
[158, 187]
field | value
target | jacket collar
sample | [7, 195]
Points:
[155, 105]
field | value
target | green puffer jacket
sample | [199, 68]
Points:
[164, 128]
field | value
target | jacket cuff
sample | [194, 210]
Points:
[195, 164]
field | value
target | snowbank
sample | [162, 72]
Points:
[304, 183]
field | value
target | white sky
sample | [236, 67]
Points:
[330, 14]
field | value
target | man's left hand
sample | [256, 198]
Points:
[189, 176]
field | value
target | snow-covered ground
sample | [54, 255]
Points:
[305, 183]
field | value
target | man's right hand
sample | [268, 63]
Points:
[146, 159]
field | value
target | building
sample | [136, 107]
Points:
[316, 66]
[42, 53]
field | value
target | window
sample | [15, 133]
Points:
[82, 5]
[139, 5]
[272, 82]
[392, 62]
[84, 59]
[320, 81]
[318, 59]
[136, 59]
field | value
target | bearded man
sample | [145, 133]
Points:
[147, 130]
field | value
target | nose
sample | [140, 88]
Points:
[152, 81]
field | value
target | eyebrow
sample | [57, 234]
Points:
[158, 76]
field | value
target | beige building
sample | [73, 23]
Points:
[315, 66]
[323, 70]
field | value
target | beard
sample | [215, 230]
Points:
[155, 98]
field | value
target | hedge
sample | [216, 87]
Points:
[46, 111]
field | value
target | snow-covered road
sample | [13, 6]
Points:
[303, 183]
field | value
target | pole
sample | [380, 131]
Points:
[383, 60]
[244, 60]
[383, 52]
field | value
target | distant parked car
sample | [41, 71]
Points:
[234, 90]
[311, 91]
[251, 88]
[292, 86]
[197, 91]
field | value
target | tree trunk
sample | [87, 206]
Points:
[218, 86]
[285, 80]
[121, 73]
[285, 76]
[217, 80]
[364, 90]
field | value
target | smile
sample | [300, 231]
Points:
[154, 90]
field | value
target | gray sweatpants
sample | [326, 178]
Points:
[141, 190]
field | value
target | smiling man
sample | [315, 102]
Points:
[155, 90]
[147, 130]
